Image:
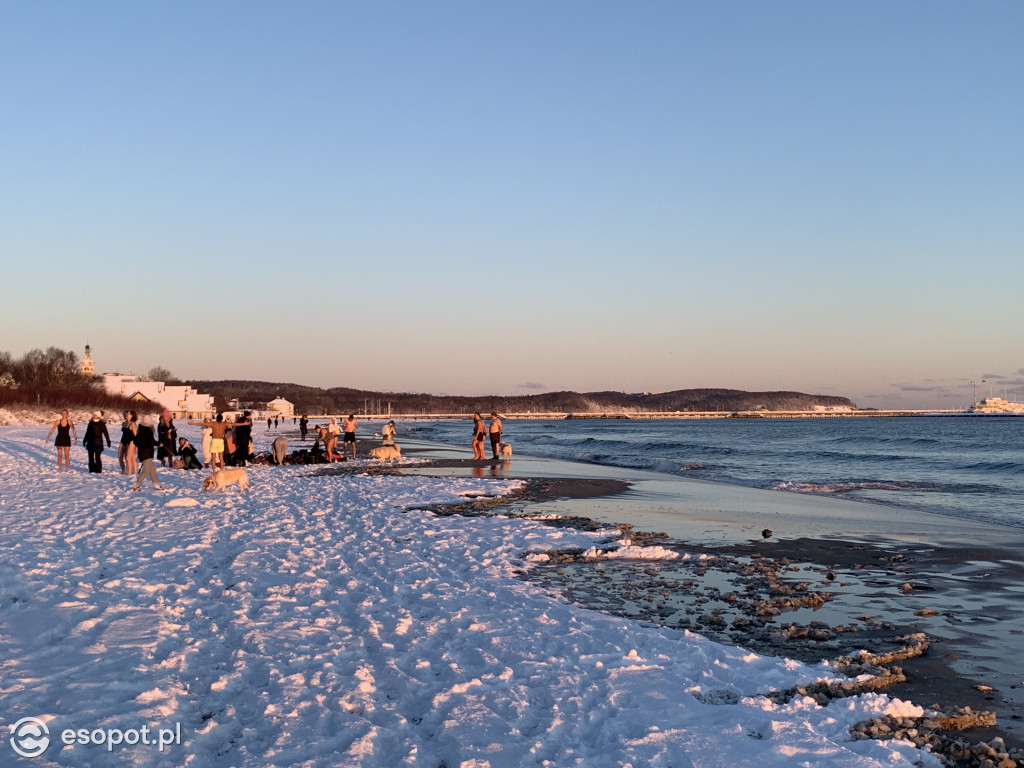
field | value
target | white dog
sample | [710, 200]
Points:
[221, 479]
[385, 453]
[506, 450]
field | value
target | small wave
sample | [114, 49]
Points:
[851, 486]
[693, 466]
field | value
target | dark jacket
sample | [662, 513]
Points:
[95, 433]
[167, 436]
[145, 441]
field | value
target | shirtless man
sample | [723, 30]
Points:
[495, 433]
[217, 429]
[349, 426]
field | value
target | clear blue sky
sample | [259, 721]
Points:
[475, 198]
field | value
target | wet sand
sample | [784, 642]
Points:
[886, 573]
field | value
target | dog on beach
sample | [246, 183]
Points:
[506, 450]
[385, 453]
[220, 480]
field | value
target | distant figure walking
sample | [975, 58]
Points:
[65, 431]
[95, 434]
[269, 422]
[145, 443]
[350, 425]
[479, 433]
[275, 422]
[279, 449]
[495, 432]
[388, 433]
[304, 426]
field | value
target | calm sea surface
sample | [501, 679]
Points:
[970, 467]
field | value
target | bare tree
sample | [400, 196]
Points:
[160, 373]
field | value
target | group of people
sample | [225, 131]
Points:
[224, 443]
[328, 435]
[227, 443]
[482, 430]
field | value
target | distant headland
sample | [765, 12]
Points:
[315, 400]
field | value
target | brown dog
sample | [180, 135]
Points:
[220, 480]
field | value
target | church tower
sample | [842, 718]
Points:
[87, 366]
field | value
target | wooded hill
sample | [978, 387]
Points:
[314, 400]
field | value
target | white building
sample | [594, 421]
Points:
[996, 405]
[181, 400]
[282, 406]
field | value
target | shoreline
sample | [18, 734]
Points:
[881, 587]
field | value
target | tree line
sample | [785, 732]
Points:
[51, 377]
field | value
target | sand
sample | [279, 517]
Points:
[887, 572]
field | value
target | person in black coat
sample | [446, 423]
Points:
[145, 445]
[95, 434]
[188, 454]
[167, 437]
[243, 436]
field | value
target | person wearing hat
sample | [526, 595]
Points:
[166, 437]
[145, 444]
[95, 434]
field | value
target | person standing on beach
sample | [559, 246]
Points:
[350, 425]
[145, 444]
[495, 432]
[207, 433]
[243, 439]
[95, 434]
[479, 433]
[126, 447]
[304, 426]
[167, 439]
[388, 432]
[65, 431]
[217, 428]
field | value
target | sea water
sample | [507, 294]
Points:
[963, 466]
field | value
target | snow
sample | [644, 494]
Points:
[315, 622]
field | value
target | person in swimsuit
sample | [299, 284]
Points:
[65, 432]
[350, 425]
[217, 429]
[495, 433]
[479, 432]
[126, 448]
[126, 437]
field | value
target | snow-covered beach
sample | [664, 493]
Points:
[317, 622]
